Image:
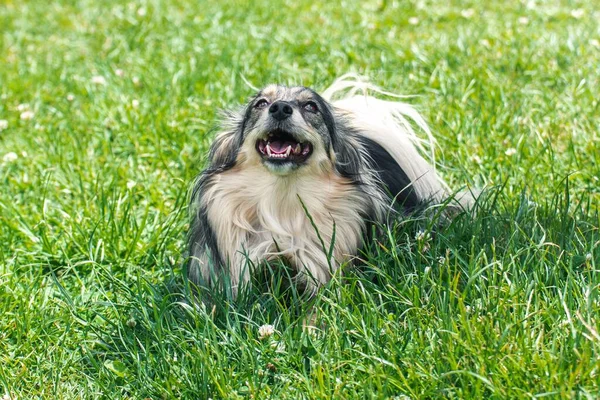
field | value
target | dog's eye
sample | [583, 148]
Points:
[262, 103]
[311, 106]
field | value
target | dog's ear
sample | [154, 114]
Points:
[344, 144]
[227, 142]
[347, 149]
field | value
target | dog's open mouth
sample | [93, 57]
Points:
[280, 146]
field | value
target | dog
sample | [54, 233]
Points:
[301, 177]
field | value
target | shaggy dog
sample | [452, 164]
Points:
[300, 177]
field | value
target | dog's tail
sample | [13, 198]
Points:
[392, 125]
[351, 92]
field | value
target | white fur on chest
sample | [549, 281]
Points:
[259, 216]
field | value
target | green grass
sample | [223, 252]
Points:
[93, 202]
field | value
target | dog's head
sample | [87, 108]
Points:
[285, 129]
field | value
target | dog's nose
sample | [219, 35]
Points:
[280, 110]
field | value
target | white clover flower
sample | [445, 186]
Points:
[510, 151]
[588, 257]
[141, 11]
[27, 115]
[70, 97]
[136, 81]
[421, 235]
[3, 124]
[413, 20]
[523, 20]
[98, 80]
[119, 72]
[265, 331]
[10, 157]
[23, 107]
[135, 103]
[131, 184]
[468, 13]
[577, 13]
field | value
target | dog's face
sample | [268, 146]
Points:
[287, 130]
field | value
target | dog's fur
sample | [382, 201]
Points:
[364, 165]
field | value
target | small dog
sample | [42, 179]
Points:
[300, 177]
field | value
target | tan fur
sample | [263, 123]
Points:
[253, 212]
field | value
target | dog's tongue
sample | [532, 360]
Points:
[279, 146]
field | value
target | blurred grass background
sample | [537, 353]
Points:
[106, 110]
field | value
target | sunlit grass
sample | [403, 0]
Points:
[106, 110]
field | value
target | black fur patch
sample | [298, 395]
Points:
[396, 182]
[348, 161]
[201, 235]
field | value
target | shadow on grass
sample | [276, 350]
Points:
[151, 339]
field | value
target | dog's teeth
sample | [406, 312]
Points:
[288, 151]
[268, 150]
[298, 149]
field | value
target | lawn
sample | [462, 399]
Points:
[106, 112]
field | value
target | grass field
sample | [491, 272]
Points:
[106, 110]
